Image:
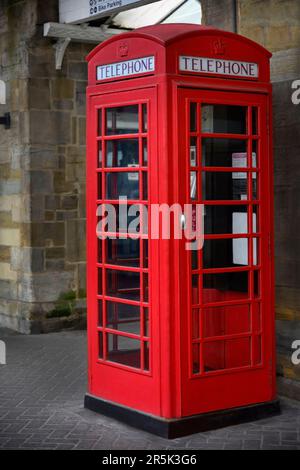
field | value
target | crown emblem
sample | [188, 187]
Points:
[123, 49]
[218, 47]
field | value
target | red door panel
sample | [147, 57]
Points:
[122, 312]
[226, 287]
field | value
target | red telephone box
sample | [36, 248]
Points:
[180, 340]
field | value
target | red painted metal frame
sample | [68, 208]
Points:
[242, 381]
[169, 389]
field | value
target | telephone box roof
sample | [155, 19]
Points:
[166, 34]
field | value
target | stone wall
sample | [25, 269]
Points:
[276, 25]
[42, 201]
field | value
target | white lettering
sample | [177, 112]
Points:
[126, 68]
[218, 66]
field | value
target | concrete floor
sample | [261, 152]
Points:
[41, 406]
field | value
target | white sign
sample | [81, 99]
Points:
[78, 11]
[126, 68]
[218, 66]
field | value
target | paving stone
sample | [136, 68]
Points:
[41, 407]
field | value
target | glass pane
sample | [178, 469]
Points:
[123, 252]
[145, 118]
[256, 260]
[122, 120]
[255, 225]
[220, 355]
[145, 152]
[123, 317]
[99, 244]
[254, 121]
[145, 185]
[99, 122]
[122, 153]
[194, 255]
[226, 219]
[99, 281]
[224, 152]
[100, 312]
[146, 355]
[193, 182]
[229, 320]
[225, 253]
[123, 350]
[99, 177]
[145, 253]
[193, 117]
[225, 286]
[195, 289]
[123, 284]
[100, 344]
[224, 119]
[195, 324]
[146, 322]
[256, 275]
[122, 185]
[99, 164]
[224, 186]
[193, 151]
[254, 153]
[255, 194]
[146, 287]
[196, 359]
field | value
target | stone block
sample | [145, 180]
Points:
[80, 102]
[4, 254]
[39, 93]
[10, 186]
[28, 259]
[62, 88]
[42, 158]
[10, 237]
[75, 172]
[45, 287]
[37, 208]
[66, 215]
[77, 70]
[41, 182]
[6, 273]
[55, 253]
[75, 240]
[8, 289]
[82, 131]
[48, 234]
[69, 202]
[50, 127]
[52, 202]
[76, 154]
[63, 105]
[60, 183]
[81, 276]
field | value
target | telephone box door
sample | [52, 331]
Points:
[227, 328]
[121, 179]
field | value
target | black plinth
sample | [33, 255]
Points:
[172, 428]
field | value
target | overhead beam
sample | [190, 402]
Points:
[80, 33]
[65, 33]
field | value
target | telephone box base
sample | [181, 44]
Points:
[173, 428]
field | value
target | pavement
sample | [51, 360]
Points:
[41, 406]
